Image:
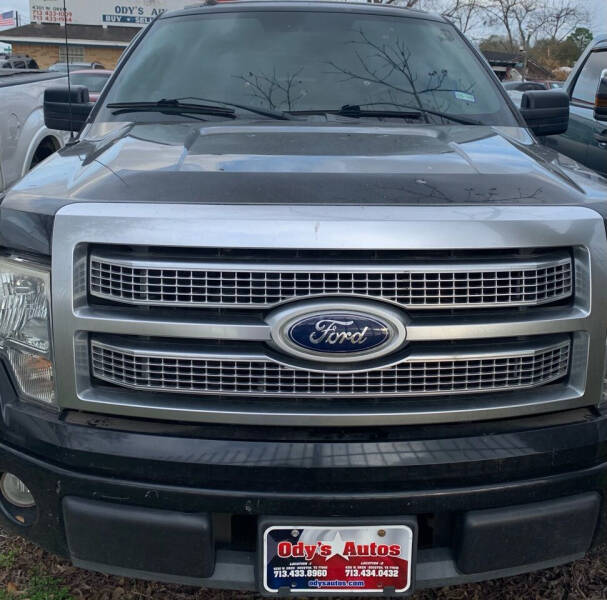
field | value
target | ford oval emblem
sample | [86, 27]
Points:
[337, 331]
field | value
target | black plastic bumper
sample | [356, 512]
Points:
[63, 513]
[134, 541]
[476, 498]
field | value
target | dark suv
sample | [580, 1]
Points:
[305, 308]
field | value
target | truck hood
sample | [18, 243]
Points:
[304, 162]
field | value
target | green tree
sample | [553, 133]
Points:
[581, 37]
[553, 53]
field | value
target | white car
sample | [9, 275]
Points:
[25, 141]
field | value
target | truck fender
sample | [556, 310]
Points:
[37, 142]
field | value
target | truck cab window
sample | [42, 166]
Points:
[588, 80]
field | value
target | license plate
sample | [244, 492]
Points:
[346, 559]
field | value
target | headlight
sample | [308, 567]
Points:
[25, 331]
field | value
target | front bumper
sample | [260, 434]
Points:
[63, 495]
[225, 482]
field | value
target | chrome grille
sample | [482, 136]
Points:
[481, 284]
[397, 238]
[254, 375]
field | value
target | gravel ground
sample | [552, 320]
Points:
[28, 573]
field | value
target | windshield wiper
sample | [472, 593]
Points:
[417, 109]
[172, 106]
[354, 110]
[213, 107]
[265, 112]
[409, 112]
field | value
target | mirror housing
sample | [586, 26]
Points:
[600, 102]
[546, 111]
[60, 113]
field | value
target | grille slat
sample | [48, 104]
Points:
[161, 283]
[229, 375]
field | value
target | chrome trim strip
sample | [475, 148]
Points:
[419, 329]
[127, 322]
[335, 414]
[227, 265]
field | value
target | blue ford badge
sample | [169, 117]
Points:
[339, 332]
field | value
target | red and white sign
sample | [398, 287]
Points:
[338, 559]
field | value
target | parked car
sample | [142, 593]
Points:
[18, 62]
[525, 86]
[93, 80]
[305, 308]
[75, 66]
[586, 138]
[25, 140]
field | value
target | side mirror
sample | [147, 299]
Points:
[65, 109]
[600, 103]
[546, 111]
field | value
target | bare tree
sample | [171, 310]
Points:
[530, 18]
[273, 90]
[502, 12]
[463, 13]
[466, 14]
[562, 18]
[524, 20]
[389, 66]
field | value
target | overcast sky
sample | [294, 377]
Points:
[599, 23]
[597, 8]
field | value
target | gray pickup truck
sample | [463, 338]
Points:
[586, 137]
[305, 308]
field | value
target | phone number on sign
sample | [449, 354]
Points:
[299, 572]
[372, 572]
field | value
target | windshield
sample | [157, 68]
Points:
[304, 62]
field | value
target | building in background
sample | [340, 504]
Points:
[45, 43]
[98, 30]
[509, 66]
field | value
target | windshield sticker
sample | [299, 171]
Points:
[465, 96]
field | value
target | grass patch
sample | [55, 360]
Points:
[7, 560]
[40, 587]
